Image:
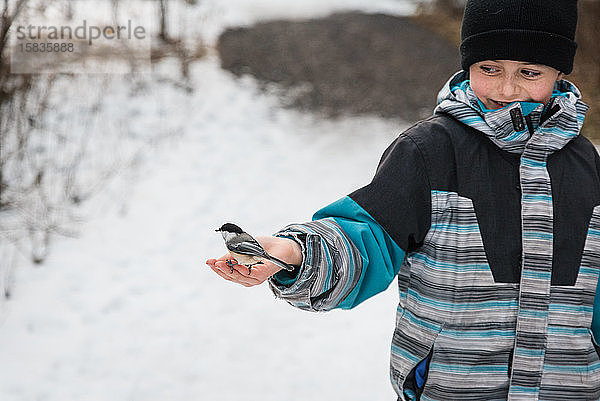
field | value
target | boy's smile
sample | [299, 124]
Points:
[498, 83]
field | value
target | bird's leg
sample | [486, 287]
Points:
[253, 264]
[231, 263]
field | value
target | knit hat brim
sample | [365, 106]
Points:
[519, 45]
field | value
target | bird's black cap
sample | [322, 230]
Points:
[230, 227]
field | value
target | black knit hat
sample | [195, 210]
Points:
[536, 31]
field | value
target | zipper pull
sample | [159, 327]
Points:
[517, 119]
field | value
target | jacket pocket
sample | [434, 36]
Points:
[417, 377]
[412, 347]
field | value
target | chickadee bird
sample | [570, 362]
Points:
[245, 249]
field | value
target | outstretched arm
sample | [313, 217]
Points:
[355, 246]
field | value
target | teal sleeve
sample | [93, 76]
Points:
[596, 320]
[347, 258]
[381, 256]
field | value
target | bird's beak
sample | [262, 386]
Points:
[217, 230]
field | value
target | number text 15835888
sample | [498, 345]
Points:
[46, 47]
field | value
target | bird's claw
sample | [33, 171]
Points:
[231, 263]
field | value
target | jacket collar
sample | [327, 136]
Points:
[512, 127]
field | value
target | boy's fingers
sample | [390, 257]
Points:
[255, 276]
[224, 267]
[243, 277]
[235, 276]
[230, 277]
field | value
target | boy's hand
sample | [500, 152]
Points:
[282, 248]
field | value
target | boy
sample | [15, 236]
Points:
[488, 213]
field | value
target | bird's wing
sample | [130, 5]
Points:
[248, 248]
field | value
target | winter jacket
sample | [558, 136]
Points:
[490, 220]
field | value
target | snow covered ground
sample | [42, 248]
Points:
[128, 310]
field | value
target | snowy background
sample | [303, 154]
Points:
[127, 310]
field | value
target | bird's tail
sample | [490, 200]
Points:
[281, 263]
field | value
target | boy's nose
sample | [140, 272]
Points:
[509, 89]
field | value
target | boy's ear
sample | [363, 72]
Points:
[560, 76]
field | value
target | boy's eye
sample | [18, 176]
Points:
[487, 69]
[530, 73]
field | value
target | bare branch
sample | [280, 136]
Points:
[7, 21]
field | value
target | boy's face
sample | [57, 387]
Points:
[500, 82]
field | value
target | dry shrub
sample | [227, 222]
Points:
[346, 63]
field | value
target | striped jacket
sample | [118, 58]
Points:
[491, 223]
